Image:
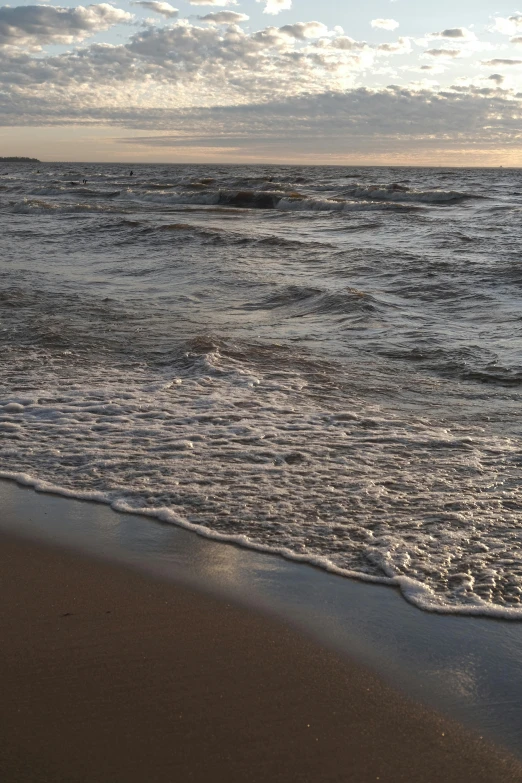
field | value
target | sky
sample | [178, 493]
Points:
[381, 82]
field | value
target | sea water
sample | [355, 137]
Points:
[324, 362]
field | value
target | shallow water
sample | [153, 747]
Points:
[324, 362]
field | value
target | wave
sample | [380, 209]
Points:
[402, 193]
[314, 301]
[283, 242]
[31, 206]
[414, 591]
[182, 227]
[471, 363]
[235, 443]
[157, 185]
[371, 440]
[263, 197]
[138, 230]
[266, 199]
[342, 205]
[496, 374]
[81, 190]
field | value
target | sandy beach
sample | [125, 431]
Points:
[110, 675]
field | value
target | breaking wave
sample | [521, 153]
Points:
[264, 199]
[397, 192]
[30, 206]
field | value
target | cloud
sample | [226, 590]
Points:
[302, 30]
[453, 37]
[214, 84]
[384, 24]
[401, 46]
[181, 66]
[274, 123]
[501, 61]
[275, 6]
[508, 26]
[37, 25]
[224, 17]
[455, 32]
[165, 9]
[354, 121]
[443, 52]
[213, 2]
[347, 44]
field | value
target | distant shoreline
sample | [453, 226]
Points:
[258, 163]
[19, 160]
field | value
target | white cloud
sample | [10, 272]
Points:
[213, 2]
[37, 25]
[358, 120]
[265, 93]
[224, 17]
[385, 24]
[181, 66]
[302, 30]
[275, 6]
[401, 46]
[347, 43]
[215, 84]
[508, 26]
[458, 41]
[165, 9]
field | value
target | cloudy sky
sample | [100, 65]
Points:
[381, 81]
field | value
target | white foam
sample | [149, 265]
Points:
[257, 460]
[29, 206]
[335, 205]
[405, 195]
[414, 591]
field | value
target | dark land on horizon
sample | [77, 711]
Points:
[19, 160]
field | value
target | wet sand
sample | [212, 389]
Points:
[111, 675]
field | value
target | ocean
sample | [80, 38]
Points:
[321, 362]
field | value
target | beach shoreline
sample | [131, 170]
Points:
[111, 674]
[463, 668]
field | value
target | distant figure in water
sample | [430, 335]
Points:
[131, 174]
[84, 181]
